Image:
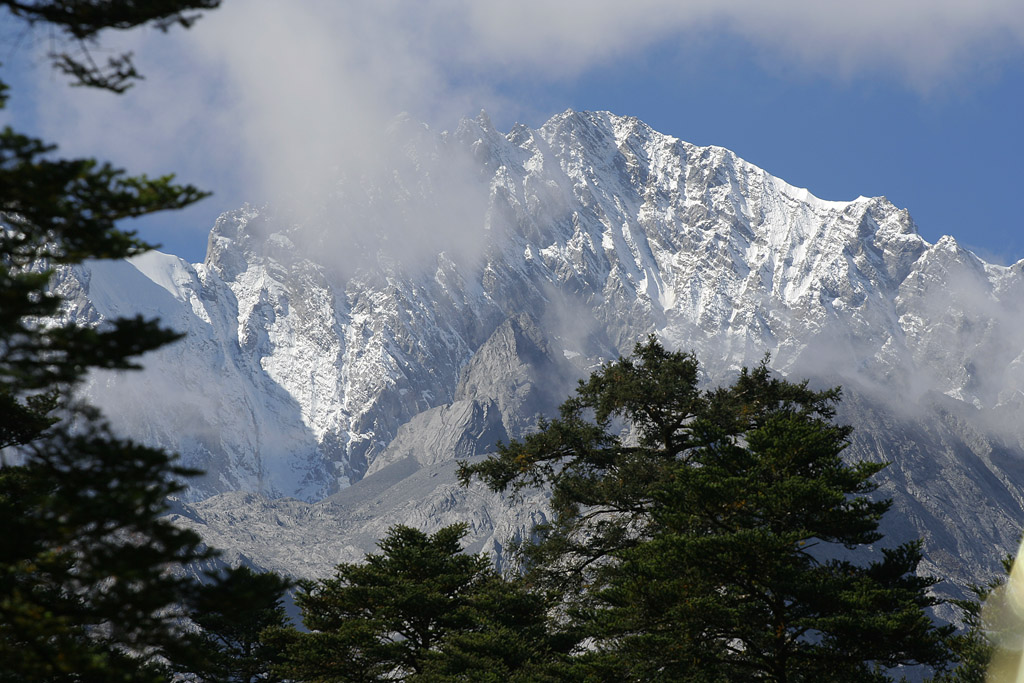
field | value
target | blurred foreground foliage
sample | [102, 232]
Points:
[92, 585]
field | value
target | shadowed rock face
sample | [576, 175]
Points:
[334, 350]
[518, 370]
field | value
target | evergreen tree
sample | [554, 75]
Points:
[697, 535]
[507, 639]
[85, 587]
[419, 610]
[87, 590]
[233, 610]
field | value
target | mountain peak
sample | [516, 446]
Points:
[471, 284]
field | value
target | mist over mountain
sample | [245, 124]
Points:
[340, 356]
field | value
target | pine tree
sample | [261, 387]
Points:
[697, 535]
[419, 610]
[232, 610]
[508, 638]
[87, 588]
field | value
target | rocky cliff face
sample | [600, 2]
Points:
[428, 313]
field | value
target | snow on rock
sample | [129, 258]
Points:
[438, 308]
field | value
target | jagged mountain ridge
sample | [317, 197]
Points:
[312, 342]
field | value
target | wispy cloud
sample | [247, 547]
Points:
[262, 96]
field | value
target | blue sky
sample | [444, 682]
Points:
[920, 101]
[953, 156]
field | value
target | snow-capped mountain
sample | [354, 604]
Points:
[345, 355]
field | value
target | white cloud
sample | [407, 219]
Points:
[263, 95]
[919, 40]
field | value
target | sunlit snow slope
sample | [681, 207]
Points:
[464, 291]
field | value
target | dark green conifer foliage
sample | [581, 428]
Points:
[84, 582]
[86, 587]
[693, 539]
[507, 639]
[386, 614]
[420, 610]
[233, 610]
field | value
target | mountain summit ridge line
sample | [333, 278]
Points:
[315, 335]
